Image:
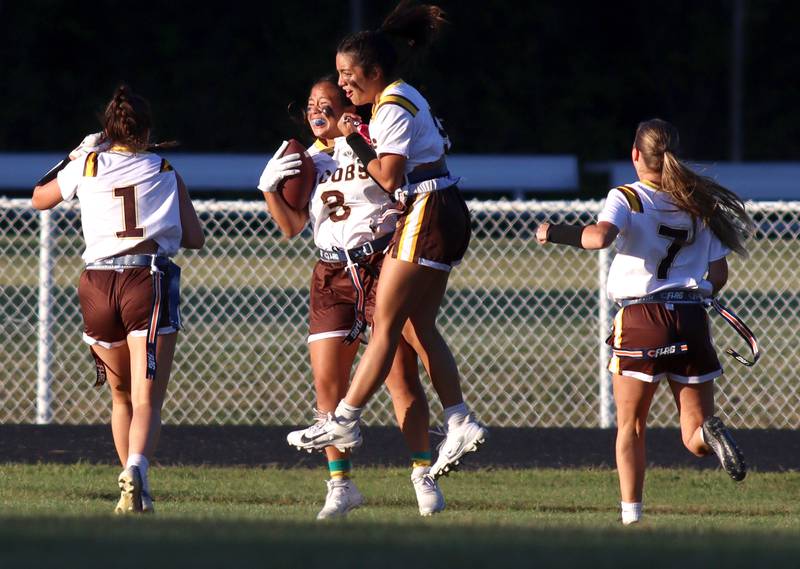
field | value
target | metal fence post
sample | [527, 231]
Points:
[606, 397]
[44, 394]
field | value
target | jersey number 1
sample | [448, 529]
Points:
[678, 238]
[130, 215]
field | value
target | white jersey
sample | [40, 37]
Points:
[347, 207]
[657, 247]
[402, 123]
[125, 199]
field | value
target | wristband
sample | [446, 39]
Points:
[362, 150]
[565, 234]
[51, 175]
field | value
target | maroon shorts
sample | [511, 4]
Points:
[682, 330]
[434, 230]
[116, 304]
[333, 297]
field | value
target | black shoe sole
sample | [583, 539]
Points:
[719, 439]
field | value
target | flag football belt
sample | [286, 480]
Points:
[437, 170]
[691, 297]
[356, 253]
[161, 268]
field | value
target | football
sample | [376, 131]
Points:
[296, 190]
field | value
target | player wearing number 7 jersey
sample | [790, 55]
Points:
[136, 214]
[673, 230]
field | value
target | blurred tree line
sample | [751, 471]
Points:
[508, 75]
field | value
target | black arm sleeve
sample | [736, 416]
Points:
[363, 150]
[51, 175]
[565, 234]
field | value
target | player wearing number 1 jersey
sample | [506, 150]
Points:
[673, 230]
[136, 214]
[353, 221]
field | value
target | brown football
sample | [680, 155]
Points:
[296, 190]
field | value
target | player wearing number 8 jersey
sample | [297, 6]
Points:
[353, 221]
[136, 213]
[673, 230]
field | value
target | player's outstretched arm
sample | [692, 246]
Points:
[595, 236]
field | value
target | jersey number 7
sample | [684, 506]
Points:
[678, 238]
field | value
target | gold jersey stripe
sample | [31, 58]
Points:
[634, 201]
[397, 100]
[90, 166]
[165, 166]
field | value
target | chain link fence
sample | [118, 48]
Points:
[526, 323]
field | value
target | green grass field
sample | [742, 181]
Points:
[59, 516]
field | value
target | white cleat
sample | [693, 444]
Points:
[130, 485]
[429, 496]
[342, 497]
[331, 432]
[459, 440]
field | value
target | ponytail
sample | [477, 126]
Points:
[721, 210]
[405, 34]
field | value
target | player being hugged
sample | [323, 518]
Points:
[136, 214]
[406, 159]
[353, 222]
[673, 230]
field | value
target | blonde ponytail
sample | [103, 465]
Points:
[703, 198]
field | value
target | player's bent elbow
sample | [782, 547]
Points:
[193, 240]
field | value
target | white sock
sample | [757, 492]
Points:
[348, 412]
[141, 462]
[455, 414]
[703, 436]
[631, 512]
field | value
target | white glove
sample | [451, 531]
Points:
[278, 169]
[90, 143]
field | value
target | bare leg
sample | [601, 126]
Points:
[398, 299]
[633, 398]
[147, 395]
[117, 364]
[408, 398]
[433, 350]
[695, 403]
[331, 362]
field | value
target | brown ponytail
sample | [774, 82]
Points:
[703, 198]
[404, 35]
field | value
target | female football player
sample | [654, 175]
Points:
[406, 158]
[675, 229]
[353, 220]
[136, 213]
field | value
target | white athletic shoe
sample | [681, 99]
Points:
[342, 497]
[330, 432]
[130, 485]
[459, 440]
[429, 496]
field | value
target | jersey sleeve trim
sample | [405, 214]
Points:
[165, 166]
[398, 100]
[633, 199]
[90, 166]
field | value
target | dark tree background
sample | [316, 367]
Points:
[508, 76]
